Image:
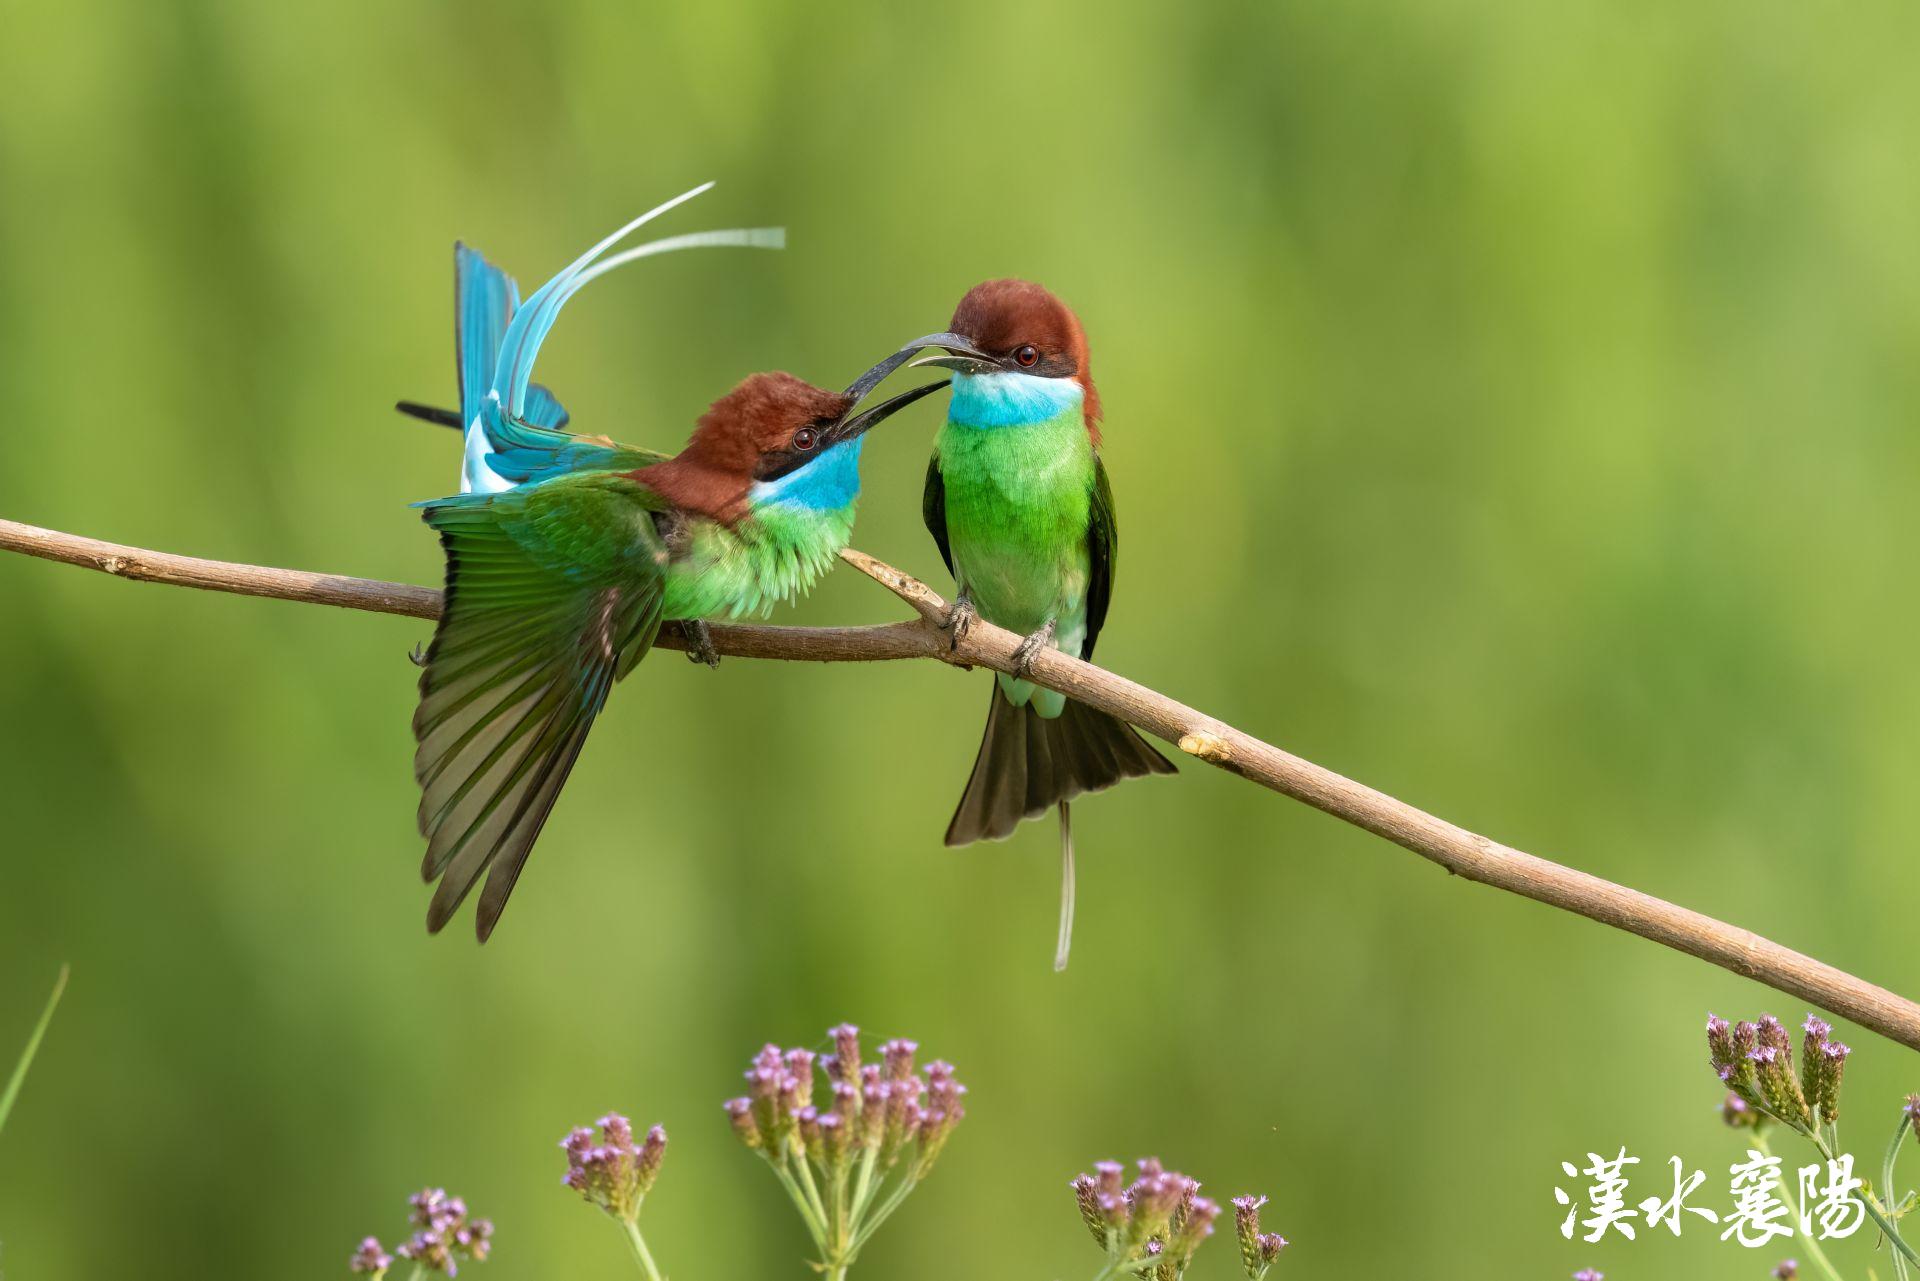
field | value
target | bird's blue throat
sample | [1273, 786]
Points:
[827, 483]
[1008, 399]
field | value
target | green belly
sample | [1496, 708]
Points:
[774, 555]
[1017, 502]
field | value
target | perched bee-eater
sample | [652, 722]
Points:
[1018, 501]
[566, 553]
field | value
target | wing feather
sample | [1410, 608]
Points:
[933, 509]
[1103, 553]
[553, 593]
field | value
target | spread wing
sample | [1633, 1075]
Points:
[1103, 551]
[553, 594]
[933, 509]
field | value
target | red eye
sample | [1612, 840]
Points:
[804, 439]
[1027, 357]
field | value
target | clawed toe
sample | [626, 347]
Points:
[960, 618]
[1030, 648]
[700, 643]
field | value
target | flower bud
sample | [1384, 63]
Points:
[1833, 1058]
[1779, 1086]
[1086, 1193]
[846, 1052]
[652, 1153]
[898, 1056]
[740, 1113]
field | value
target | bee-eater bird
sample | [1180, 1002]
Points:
[1018, 501]
[564, 556]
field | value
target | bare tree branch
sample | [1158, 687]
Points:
[1461, 852]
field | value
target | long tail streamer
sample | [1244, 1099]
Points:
[1065, 943]
[535, 317]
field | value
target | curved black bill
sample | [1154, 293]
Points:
[866, 382]
[962, 356]
[848, 428]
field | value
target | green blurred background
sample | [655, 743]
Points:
[1511, 406]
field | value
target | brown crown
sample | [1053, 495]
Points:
[1003, 315]
[714, 472]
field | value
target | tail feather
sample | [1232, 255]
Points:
[1028, 764]
[1063, 942]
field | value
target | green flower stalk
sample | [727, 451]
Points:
[848, 1161]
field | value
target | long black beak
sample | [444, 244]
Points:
[867, 419]
[962, 356]
[866, 382]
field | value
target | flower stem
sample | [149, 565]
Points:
[813, 1191]
[1814, 1251]
[887, 1207]
[1874, 1212]
[1887, 1192]
[815, 1228]
[863, 1186]
[641, 1255]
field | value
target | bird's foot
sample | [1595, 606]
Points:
[417, 655]
[960, 616]
[700, 642]
[1030, 649]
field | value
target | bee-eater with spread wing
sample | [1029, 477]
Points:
[1018, 501]
[565, 554]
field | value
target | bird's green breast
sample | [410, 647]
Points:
[739, 571]
[1017, 507]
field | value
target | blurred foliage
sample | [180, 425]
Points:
[1510, 405]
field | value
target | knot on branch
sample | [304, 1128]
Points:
[1208, 747]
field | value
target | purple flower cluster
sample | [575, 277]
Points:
[1160, 1215]
[611, 1170]
[887, 1111]
[370, 1258]
[1589, 1274]
[443, 1237]
[1756, 1063]
[1786, 1270]
[1258, 1249]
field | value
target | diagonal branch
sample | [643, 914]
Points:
[1461, 852]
